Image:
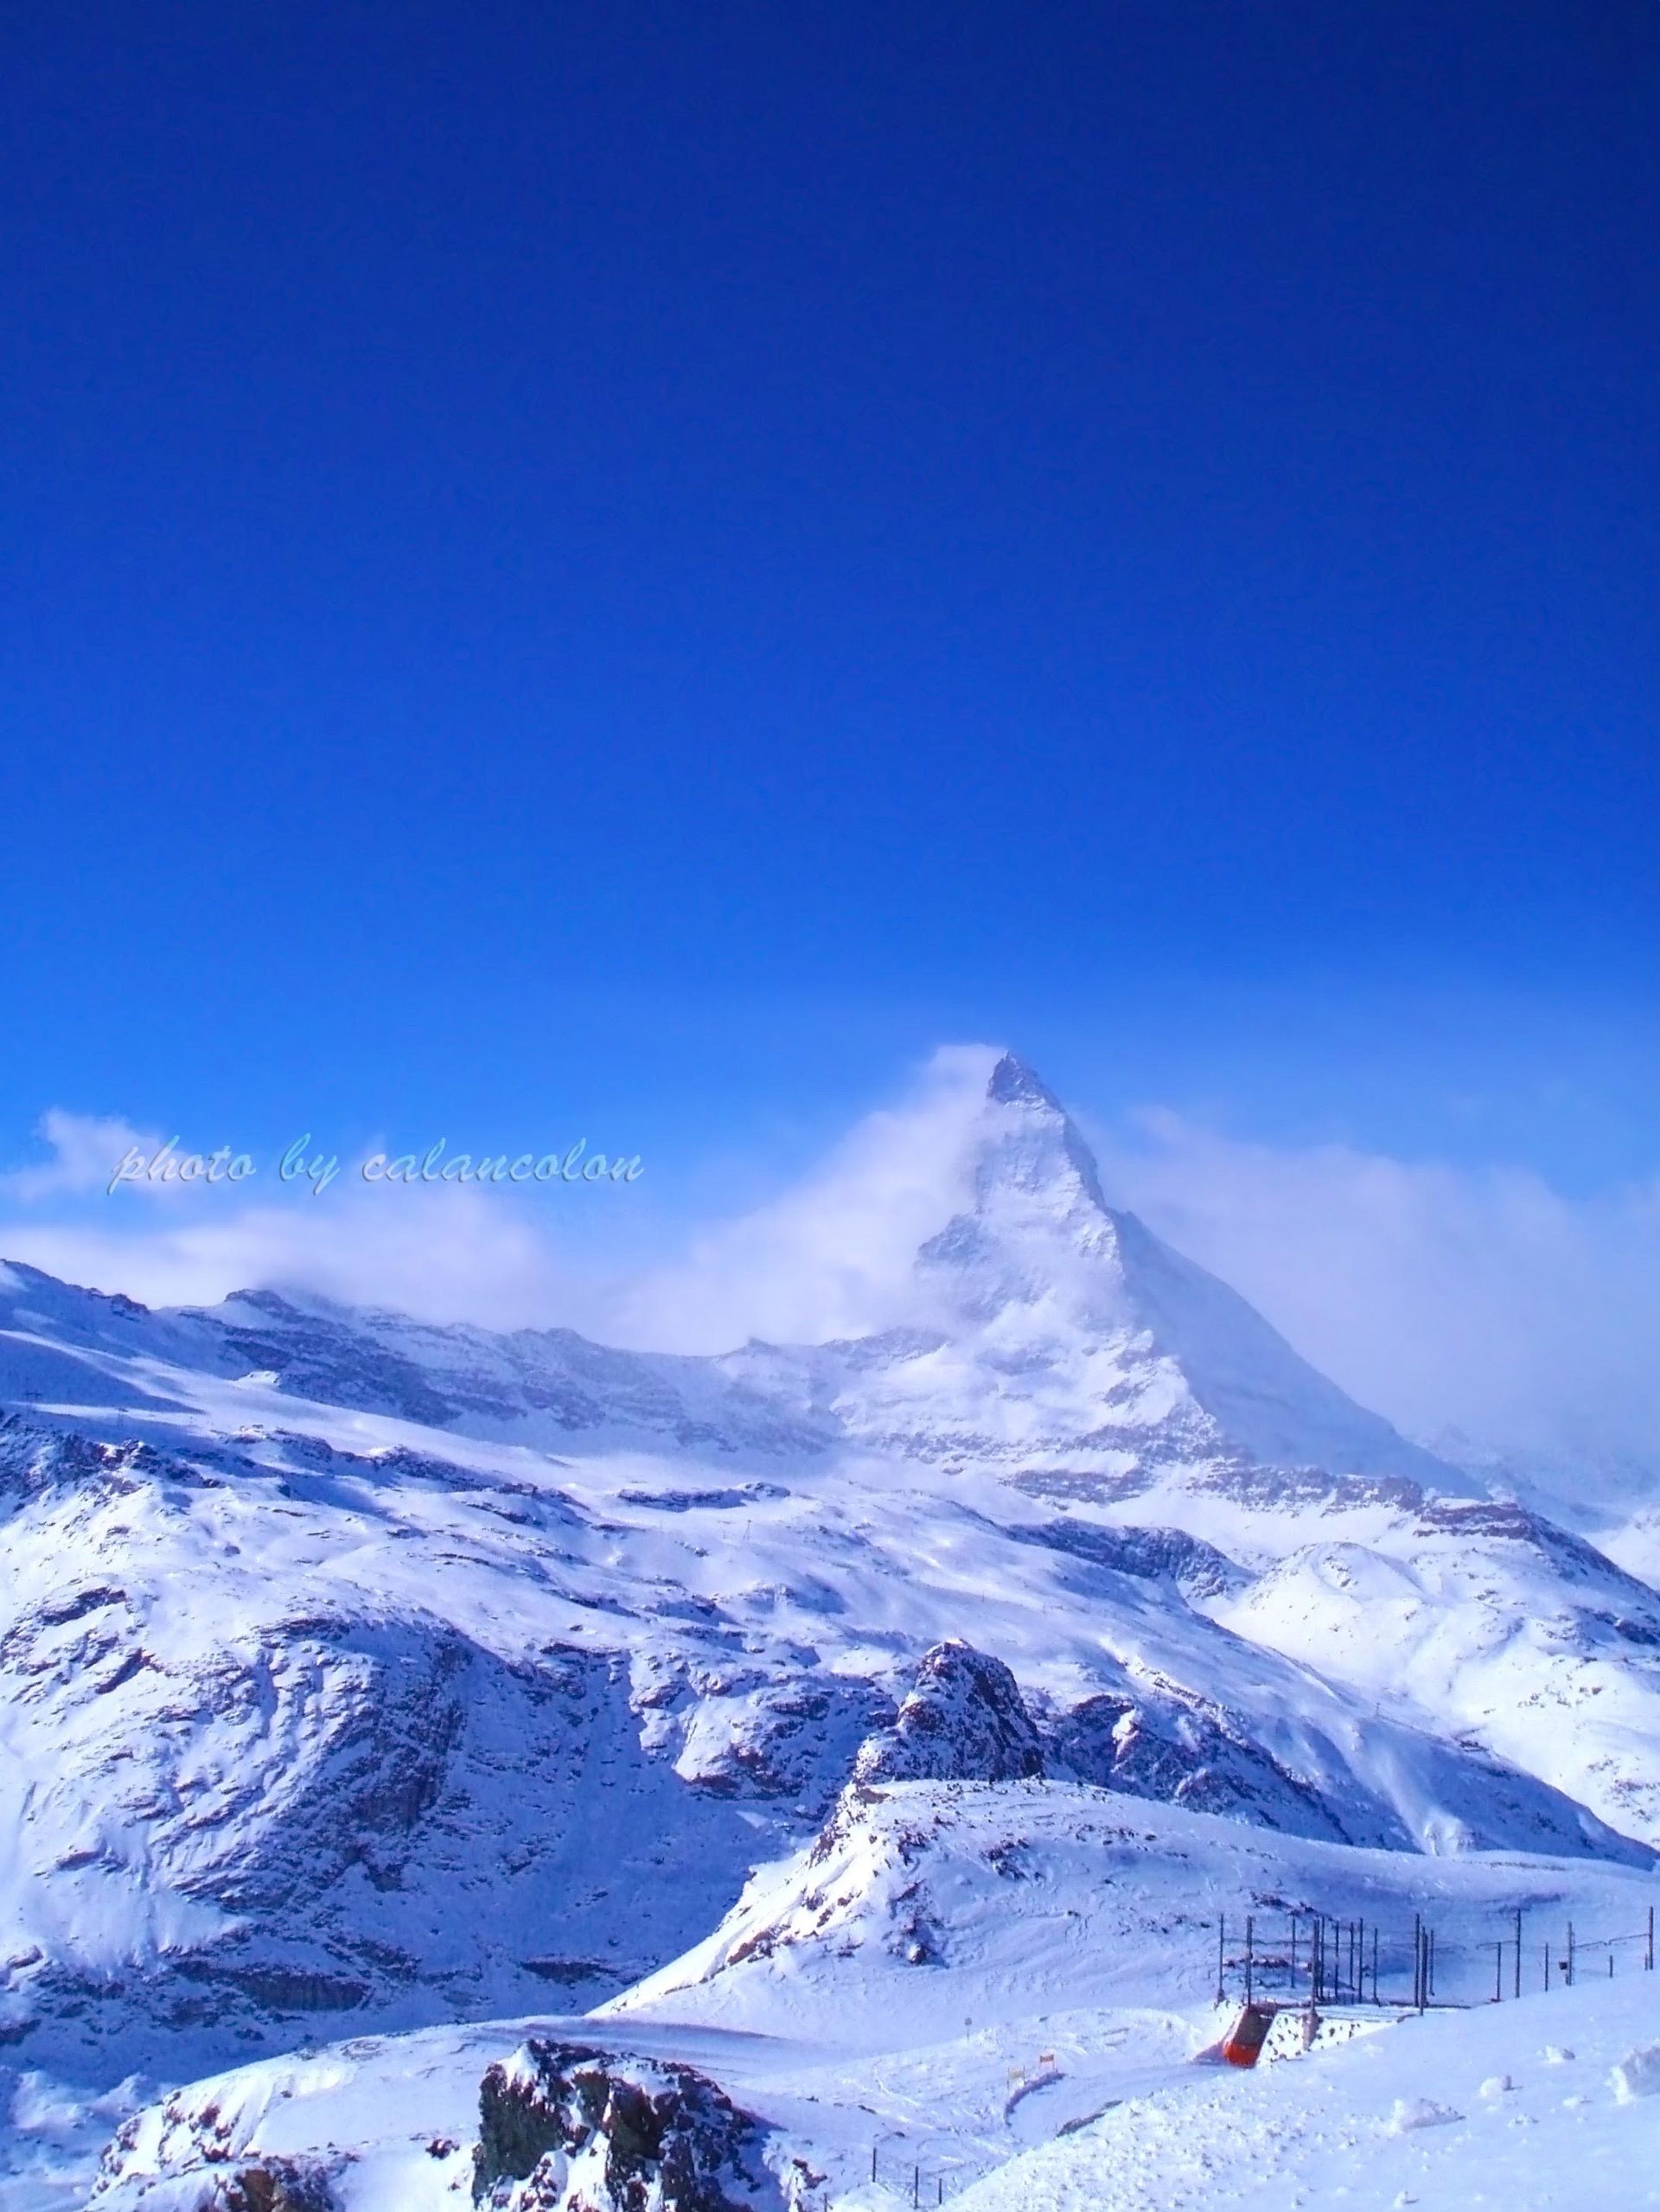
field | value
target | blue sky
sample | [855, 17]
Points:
[579, 568]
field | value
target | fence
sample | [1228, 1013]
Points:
[929, 2190]
[1298, 1956]
[1316, 1957]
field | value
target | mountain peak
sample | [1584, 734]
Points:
[1014, 1083]
[1068, 1300]
[1026, 1143]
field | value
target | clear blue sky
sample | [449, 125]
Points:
[586, 564]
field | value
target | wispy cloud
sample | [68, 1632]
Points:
[827, 1257]
[831, 1256]
[442, 1254]
[84, 1150]
[1439, 1295]
[1479, 1298]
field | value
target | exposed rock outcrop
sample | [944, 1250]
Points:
[964, 1720]
[279, 2185]
[1186, 1753]
[565, 2125]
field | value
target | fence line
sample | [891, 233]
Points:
[1321, 1958]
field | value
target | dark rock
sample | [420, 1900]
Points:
[564, 2122]
[1184, 1752]
[1197, 1568]
[280, 2185]
[964, 1721]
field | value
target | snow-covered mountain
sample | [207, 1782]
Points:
[357, 1672]
[1045, 1329]
[952, 1975]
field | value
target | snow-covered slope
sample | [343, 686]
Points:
[953, 1974]
[307, 1737]
[359, 1673]
[922, 1902]
[1545, 2106]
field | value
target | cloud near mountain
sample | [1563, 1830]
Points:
[1479, 1300]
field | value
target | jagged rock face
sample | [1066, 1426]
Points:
[279, 2185]
[1105, 1347]
[1198, 1570]
[567, 2128]
[1186, 1756]
[964, 1721]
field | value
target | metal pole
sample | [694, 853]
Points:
[1375, 1996]
[1498, 1973]
[1517, 1989]
[1417, 1953]
[1570, 1955]
[872, 2161]
[1250, 1931]
[1222, 1958]
[1648, 1956]
[1545, 1947]
[916, 2185]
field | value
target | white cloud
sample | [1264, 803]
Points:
[828, 1258]
[1479, 1298]
[831, 1257]
[84, 1150]
[1439, 1295]
[443, 1254]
